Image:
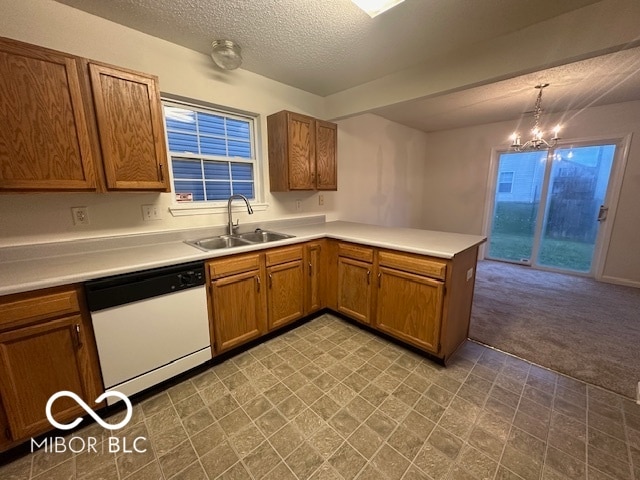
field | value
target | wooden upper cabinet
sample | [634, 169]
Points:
[68, 123]
[130, 127]
[302, 152]
[44, 137]
[326, 166]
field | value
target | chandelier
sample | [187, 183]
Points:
[537, 140]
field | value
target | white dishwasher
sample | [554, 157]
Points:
[150, 325]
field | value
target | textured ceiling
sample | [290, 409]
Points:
[602, 80]
[326, 46]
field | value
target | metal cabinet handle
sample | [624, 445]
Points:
[379, 280]
[270, 281]
[78, 336]
[161, 173]
[310, 269]
[368, 277]
[258, 282]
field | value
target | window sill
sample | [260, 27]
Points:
[194, 209]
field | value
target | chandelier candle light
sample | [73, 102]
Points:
[537, 141]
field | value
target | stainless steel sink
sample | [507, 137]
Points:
[216, 243]
[238, 240]
[262, 236]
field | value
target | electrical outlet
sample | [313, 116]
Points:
[320, 199]
[151, 212]
[80, 215]
[469, 274]
[298, 205]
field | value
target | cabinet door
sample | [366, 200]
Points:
[44, 138]
[5, 431]
[130, 127]
[409, 307]
[285, 293]
[301, 152]
[36, 362]
[326, 141]
[238, 309]
[315, 277]
[354, 289]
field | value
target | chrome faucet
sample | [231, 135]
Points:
[234, 226]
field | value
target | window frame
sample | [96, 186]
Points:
[213, 206]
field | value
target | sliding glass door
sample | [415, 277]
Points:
[548, 204]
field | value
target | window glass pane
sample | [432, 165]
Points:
[504, 188]
[238, 129]
[506, 176]
[182, 142]
[239, 149]
[216, 170]
[211, 124]
[194, 187]
[242, 171]
[184, 168]
[218, 190]
[242, 188]
[180, 119]
[213, 146]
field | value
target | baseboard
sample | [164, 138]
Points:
[619, 281]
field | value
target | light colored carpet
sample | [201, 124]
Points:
[574, 325]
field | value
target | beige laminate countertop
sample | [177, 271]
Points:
[30, 268]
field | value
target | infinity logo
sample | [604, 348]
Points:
[87, 408]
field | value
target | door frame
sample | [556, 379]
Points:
[603, 239]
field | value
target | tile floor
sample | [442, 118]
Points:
[331, 401]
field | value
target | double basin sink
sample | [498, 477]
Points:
[237, 240]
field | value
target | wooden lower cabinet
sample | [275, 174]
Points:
[315, 268]
[409, 307]
[238, 309]
[285, 293]
[40, 356]
[421, 300]
[354, 289]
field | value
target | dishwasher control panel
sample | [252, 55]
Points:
[131, 287]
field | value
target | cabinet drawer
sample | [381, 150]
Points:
[413, 263]
[356, 252]
[23, 308]
[282, 255]
[233, 265]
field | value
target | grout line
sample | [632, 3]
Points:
[546, 440]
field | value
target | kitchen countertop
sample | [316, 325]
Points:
[33, 267]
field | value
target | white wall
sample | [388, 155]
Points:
[457, 170]
[33, 218]
[380, 172]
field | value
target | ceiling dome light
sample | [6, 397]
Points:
[226, 54]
